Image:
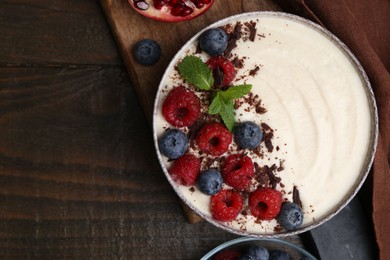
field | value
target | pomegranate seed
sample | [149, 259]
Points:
[142, 5]
[187, 11]
[177, 10]
[158, 4]
[199, 4]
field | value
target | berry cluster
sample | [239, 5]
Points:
[181, 109]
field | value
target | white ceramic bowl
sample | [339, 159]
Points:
[189, 196]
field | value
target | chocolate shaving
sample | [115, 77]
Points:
[246, 208]
[266, 127]
[231, 45]
[278, 228]
[281, 163]
[259, 152]
[265, 175]
[254, 71]
[273, 179]
[237, 103]
[260, 109]
[218, 76]
[233, 37]
[237, 31]
[268, 141]
[296, 198]
[261, 175]
[198, 49]
[238, 63]
[254, 102]
[268, 134]
[208, 162]
[252, 30]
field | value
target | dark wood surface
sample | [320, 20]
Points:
[78, 173]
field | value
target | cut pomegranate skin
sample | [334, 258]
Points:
[171, 10]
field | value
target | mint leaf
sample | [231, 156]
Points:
[196, 72]
[216, 104]
[236, 92]
[227, 114]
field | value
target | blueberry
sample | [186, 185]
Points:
[173, 143]
[210, 181]
[247, 135]
[213, 41]
[147, 52]
[255, 253]
[279, 255]
[290, 216]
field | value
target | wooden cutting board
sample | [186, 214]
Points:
[128, 27]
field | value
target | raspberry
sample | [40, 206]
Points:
[181, 107]
[226, 205]
[227, 254]
[223, 70]
[185, 170]
[265, 203]
[238, 171]
[214, 139]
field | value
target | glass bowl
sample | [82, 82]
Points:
[240, 244]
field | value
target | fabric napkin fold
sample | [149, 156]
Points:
[363, 26]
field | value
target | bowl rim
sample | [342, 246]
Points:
[250, 239]
[373, 127]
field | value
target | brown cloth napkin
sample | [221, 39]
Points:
[364, 27]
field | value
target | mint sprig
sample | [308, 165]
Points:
[234, 92]
[223, 103]
[227, 114]
[223, 107]
[216, 104]
[196, 72]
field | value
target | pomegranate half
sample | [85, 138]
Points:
[171, 10]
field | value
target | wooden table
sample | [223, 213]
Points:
[78, 173]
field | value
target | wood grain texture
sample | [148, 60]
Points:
[129, 27]
[56, 32]
[78, 173]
